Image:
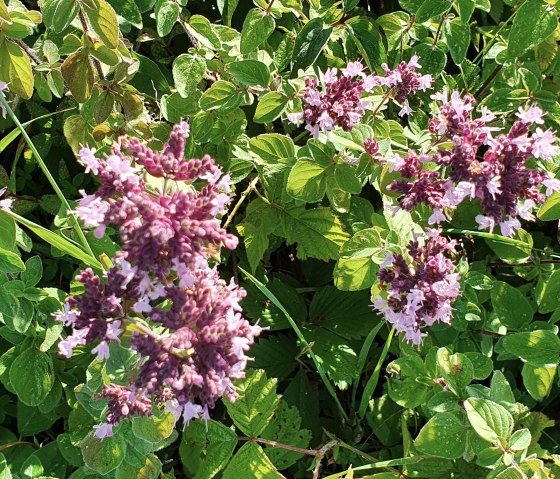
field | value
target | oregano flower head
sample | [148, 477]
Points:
[189, 333]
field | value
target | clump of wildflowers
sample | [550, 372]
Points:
[486, 163]
[418, 289]
[188, 329]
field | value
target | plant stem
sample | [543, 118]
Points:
[241, 200]
[269, 6]
[268, 442]
[383, 100]
[489, 80]
[47, 173]
[85, 28]
[301, 136]
[30, 53]
[438, 31]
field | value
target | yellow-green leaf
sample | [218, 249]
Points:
[103, 20]
[78, 75]
[15, 68]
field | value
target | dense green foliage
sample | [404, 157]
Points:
[332, 391]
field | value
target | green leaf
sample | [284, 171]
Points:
[4, 468]
[257, 27]
[77, 71]
[10, 262]
[4, 15]
[510, 305]
[153, 429]
[550, 296]
[309, 42]
[306, 181]
[206, 447]
[456, 369]
[285, 428]
[537, 347]
[166, 17]
[63, 14]
[490, 420]
[249, 73]
[355, 270]
[12, 313]
[201, 28]
[103, 456]
[533, 22]
[251, 461]
[151, 469]
[15, 68]
[520, 440]
[500, 390]
[276, 353]
[443, 428]
[365, 34]
[318, 232]
[273, 147]
[31, 376]
[222, 95]
[550, 209]
[103, 21]
[128, 10]
[407, 388]
[226, 8]
[270, 106]
[431, 8]
[256, 403]
[466, 9]
[538, 380]
[458, 39]
[7, 232]
[188, 71]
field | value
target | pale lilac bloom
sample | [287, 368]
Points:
[509, 226]
[88, 159]
[123, 168]
[494, 185]
[7, 203]
[3, 87]
[353, 69]
[114, 330]
[524, 210]
[330, 76]
[533, 115]
[552, 185]
[543, 144]
[103, 430]
[485, 222]
[405, 110]
[66, 316]
[397, 162]
[92, 210]
[142, 306]
[102, 351]
[191, 411]
[436, 217]
[66, 346]
[295, 117]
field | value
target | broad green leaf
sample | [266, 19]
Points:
[510, 305]
[166, 17]
[63, 14]
[251, 461]
[206, 447]
[355, 270]
[257, 27]
[78, 74]
[309, 42]
[32, 376]
[151, 469]
[550, 296]
[346, 179]
[226, 8]
[103, 21]
[270, 106]
[128, 10]
[306, 181]
[317, 232]
[153, 429]
[4, 13]
[7, 232]
[222, 95]
[5, 472]
[520, 440]
[273, 147]
[458, 36]
[15, 68]
[466, 9]
[533, 22]
[276, 354]
[432, 58]
[201, 28]
[550, 209]
[443, 436]
[538, 380]
[537, 347]
[511, 472]
[249, 73]
[365, 34]
[431, 8]
[482, 364]
[188, 71]
[491, 421]
[256, 403]
[408, 388]
[103, 456]
[285, 428]
[456, 369]
[500, 390]
[10, 262]
[11, 311]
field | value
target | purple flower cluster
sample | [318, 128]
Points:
[485, 163]
[418, 290]
[188, 330]
[404, 81]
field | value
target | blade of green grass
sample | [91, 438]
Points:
[264, 290]
[373, 380]
[47, 173]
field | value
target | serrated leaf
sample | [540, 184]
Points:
[490, 420]
[78, 74]
[270, 106]
[249, 73]
[206, 447]
[31, 376]
[251, 461]
[256, 403]
[257, 27]
[276, 355]
[309, 42]
[550, 296]
[537, 347]
[533, 22]
[443, 428]
[188, 71]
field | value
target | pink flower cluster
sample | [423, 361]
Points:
[486, 163]
[418, 290]
[340, 104]
[188, 330]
